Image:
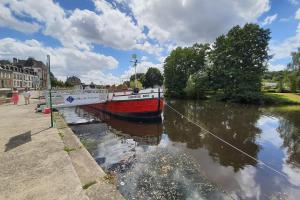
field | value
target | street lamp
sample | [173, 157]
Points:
[50, 89]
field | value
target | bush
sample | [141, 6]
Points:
[248, 98]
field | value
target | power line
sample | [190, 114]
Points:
[231, 145]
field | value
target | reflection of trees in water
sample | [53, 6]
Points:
[289, 131]
[233, 123]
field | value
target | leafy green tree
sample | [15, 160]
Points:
[293, 81]
[153, 77]
[139, 76]
[127, 83]
[5, 62]
[139, 84]
[55, 82]
[239, 60]
[294, 71]
[180, 64]
[295, 64]
[196, 85]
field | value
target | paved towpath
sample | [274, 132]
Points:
[33, 164]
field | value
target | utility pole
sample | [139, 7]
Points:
[50, 89]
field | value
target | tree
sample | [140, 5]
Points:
[139, 84]
[239, 61]
[294, 71]
[197, 85]
[153, 77]
[180, 64]
[139, 76]
[295, 64]
[55, 82]
[5, 62]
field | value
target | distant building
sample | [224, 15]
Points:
[6, 78]
[38, 67]
[23, 73]
[269, 84]
[73, 80]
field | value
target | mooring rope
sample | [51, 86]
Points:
[222, 140]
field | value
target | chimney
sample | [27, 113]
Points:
[15, 60]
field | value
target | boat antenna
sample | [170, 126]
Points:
[135, 61]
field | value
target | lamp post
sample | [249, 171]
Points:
[50, 89]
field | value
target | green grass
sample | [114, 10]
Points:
[69, 149]
[281, 98]
[88, 144]
[86, 186]
[61, 135]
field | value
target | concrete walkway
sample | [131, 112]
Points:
[33, 164]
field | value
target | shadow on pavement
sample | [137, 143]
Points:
[18, 141]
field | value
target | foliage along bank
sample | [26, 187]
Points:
[232, 67]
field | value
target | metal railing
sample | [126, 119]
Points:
[69, 98]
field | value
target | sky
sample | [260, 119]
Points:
[95, 39]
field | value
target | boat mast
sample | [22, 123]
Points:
[134, 57]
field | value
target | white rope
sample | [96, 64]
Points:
[236, 148]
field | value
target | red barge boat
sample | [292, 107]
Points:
[142, 105]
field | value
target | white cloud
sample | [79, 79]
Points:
[8, 19]
[64, 61]
[269, 20]
[285, 19]
[283, 49]
[294, 2]
[297, 15]
[80, 28]
[42, 10]
[192, 20]
[99, 77]
[140, 68]
[276, 67]
[154, 49]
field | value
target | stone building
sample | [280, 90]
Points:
[19, 77]
[24, 73]
[6, 77]
[37, 66]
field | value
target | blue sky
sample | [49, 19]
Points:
[94, 39]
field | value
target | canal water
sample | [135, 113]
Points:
[174, 159]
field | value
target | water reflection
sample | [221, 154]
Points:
[235, 124]
[289, 130]
[154, 161]
[142, 133]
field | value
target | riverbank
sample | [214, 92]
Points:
[32, 161]
[96, 183]
[38, 162]
[282, 98]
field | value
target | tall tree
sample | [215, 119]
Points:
[55, 82]
[153, 77]
[180, 64]
[239, 60]
[139, 76]
[295, 64]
